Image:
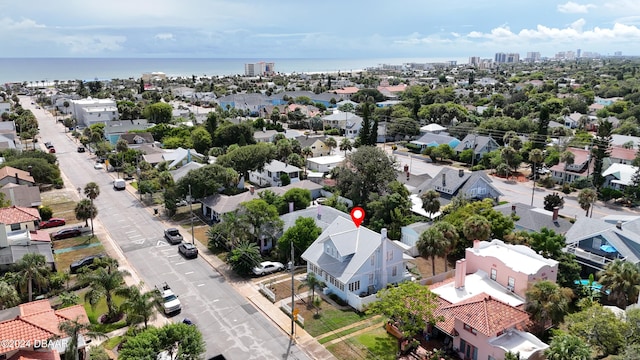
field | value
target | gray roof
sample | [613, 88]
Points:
[625, 240]
[479, 141]
[322, 215]
[340, 115]
[356, 244]
[137, 138]
[419, 227]
[184, 170]
[534, 219]
[22, 195]
[456, 181]
[309, 140]
[13, 253]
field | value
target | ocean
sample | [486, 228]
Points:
[64, 69]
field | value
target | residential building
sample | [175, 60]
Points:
[483, 304]
[323, 216]
[92, 111]
[620, 155]
[136, 139]
[153, 76]
[12, 175]
[182, 171]
[271, 174]
[5, 107]
[22, 195]
[114, 129]
[355, 262]
[480, 145]
[175, 157]
[410, 235]
[264, 135]
[19, 236]
[315, 143]
[19, 218]
[452, 182]
[597, 242]
[533, 219]
[619, 176]
[430, 140]
[432, 128]
[343, 120]
[29, 325]
[570, 172]
[324, 164]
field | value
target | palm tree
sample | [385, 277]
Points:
[331, 143]
[32, 269]
[104, 283]
[586, 197]
[476, 227]
[92, 191]
[535, 157]
[85, 210]
[547, 303]
[311, 282]
[621, 279]
[8, 295]
[345, 145]
[138, 305]
[306, 152]
[431, 201]
[73, 329]
[431, 244]
[450, 237]
[568, 159]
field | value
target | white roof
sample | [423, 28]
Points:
[520, 258]
[432, 127]
[475, 284]
[325, 160]
[622, 172]
[519, 342]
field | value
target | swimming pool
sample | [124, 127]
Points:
[594, 285]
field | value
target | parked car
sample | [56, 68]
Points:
[81, 149]
[98, 166]
[66, 233]
[170, 302]
[188, 250]
[268, 267]
[86, 261]
[52, 150]
[53, 222]
[48, 145]
[173, 236]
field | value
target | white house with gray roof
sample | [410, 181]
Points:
[478, 143]
[355, 262]
[270, 175]
[450, 182]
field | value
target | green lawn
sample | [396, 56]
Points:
[350, 331]
[331, 319]
[375, 344]
[112, 342]
[94, 312]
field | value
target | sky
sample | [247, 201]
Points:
[315, 29]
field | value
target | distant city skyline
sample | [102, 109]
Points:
[331, 29]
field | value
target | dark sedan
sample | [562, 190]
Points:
[86, 261]
[53, 222]
[65, 234]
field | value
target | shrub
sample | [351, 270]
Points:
[332, 132]
[416, 149]
[547, 182]
[45, 212]
[608, 194]
[581, 183]
[566, 188]
[477, 168]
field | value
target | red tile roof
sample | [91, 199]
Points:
[11, 171]
[18, 214]
[622, 153]
[37, 320]
[347, 90]
[483, 313]
[35, 355]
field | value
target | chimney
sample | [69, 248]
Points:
[460, 274]
[444, 179]
[555, 213]
[513, 209]
[383, 232]
[17, 180]
[252, 189]
[264, 129]
[383, 255]
[476, 245]
[619, 224]
[461, 172]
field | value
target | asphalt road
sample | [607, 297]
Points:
[229, 323]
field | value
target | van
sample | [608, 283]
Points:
[119, 184]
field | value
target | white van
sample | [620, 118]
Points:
[119, 184]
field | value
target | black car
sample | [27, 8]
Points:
[81, 149]
[66, 234]
[188, 250]
[86, 261]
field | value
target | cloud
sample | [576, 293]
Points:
[165, 36]
[575, 8]
[93, 44]
[24, 24]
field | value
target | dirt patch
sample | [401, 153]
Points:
[282, 289]
[65, 259]
[424, 266]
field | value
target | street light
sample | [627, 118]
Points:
[191, 215]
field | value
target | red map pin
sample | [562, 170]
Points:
[357, 215]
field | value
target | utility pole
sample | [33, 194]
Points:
[191, 215]
[294, 316]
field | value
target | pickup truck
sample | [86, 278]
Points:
[173, 236]
[170, 302]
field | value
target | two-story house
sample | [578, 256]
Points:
[479, 144]
[324, 164]
[582, 166]
[31, 325]
[355, 262]
[449, 182]
[272, 172]
[10, 174]
[483, 304]
[346, 121]
[19, 236]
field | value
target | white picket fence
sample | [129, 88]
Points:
[268, 293]
[287, 310]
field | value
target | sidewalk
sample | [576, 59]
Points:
[247, 289]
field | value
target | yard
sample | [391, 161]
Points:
[70, 250]
[330, 318]
[281, 287]
[62, 203]
[376, 344]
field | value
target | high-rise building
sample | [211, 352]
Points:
[532, 56]
[474, 60]
[500, 58]
[513, 58]
[579, 53]
[260, 68]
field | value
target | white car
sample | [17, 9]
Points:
[98, 166]
[268, 267]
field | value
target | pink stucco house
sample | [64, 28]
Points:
[483, 304]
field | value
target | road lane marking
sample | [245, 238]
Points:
[188, 272]
[201, 285]
[179, 263]
[174, 255]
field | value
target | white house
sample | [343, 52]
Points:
[323, 164]
[410, 235]
[355, 262]
[91, 111]
[619, 176]
[349, 122]
[271, 173]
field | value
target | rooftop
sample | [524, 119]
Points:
[520, 258]
[474, 285]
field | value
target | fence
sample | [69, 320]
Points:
[268, 293]
[287, 310]
[438, 278]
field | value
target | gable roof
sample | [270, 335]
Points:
[22, 195]
[476, 142]
[356, 244]
[8, 171]
[182, 171]
[18, 214]
[534, 219]
[454, 181]
[622, 173]
[279, 166]
[310, 140]
[137, 138]
[625, 240]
